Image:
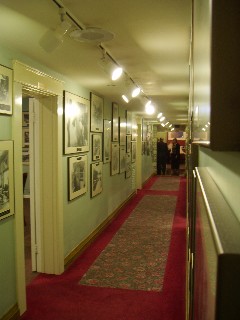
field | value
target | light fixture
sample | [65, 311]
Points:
[92, 35]
[116, 73]
[159, 115]
[172, 129]
[170, 125]
[52, 39]
[136, 92]
[125, 98]
[149, 108]
[162, 119]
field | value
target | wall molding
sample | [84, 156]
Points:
[12, 314]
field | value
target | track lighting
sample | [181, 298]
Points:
[149, 108]
[162, 119]
[135, 92]
[116, 73]
[125, 98]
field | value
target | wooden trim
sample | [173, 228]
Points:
[12, 314]
[86, 242]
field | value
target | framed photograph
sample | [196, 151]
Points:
[5, 90]
[122, 156]
[96, 113]
[128, 172]
[128, 122]
[96, 178]
[25, 156]
[97, 147]
[128, 143]
[25, 119]
[6, 179]
[115, 159]
[134, 150]
[115, 123]
[107, 134]
[25, 137]
[77, 176]
[76, 123]
[122, 131]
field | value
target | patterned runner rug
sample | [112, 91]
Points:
[164, 183]
[136, 256]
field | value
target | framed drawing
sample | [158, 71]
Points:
[122, 156]
[115, 159]
[128, 143]
[76, 123]
[6, 179]
[25, 137]
[96, 178]
[128, 172]
[134, 150]
[77, 176]
[96, 123]
[97, 147]
[115, 122]
[128, 122]
[5, 90]
[122, 131]
[25, 156]
[25, 119]
[107, 133]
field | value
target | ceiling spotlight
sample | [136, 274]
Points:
[149, 109]
[148, 103]
[170, 125]
[172, 129]
[125, 98]
[117, 72]
[136, 92]
[52, 39]
[161, 120]
[159, 115]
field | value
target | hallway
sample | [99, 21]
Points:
[134, 270]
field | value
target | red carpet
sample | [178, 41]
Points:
[61, 297]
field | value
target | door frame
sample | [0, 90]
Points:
[26, 77]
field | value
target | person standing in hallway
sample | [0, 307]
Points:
[175, 157]
[162, 153]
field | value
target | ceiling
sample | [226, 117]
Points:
[151, 42]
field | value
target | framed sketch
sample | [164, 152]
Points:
[128, 143]
[96, 123]
[25, 156]
[115, 159]
[122, 159]
[128, 122]
[77, 176]
[25, 119]
[6, 179]
[76, 123]
[115, 122]
[134, 150]
[128, 172]
[96, 178]
[25, 137]
[122, 131]
[5, 90]
[97, 147]
[107, 133]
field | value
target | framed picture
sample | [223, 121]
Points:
[122, 156]
[115, 122]
[76, 123]
[6, 179]
[128, 143]
[134, 128]
[179, 135]
[128, 122]
[25, 119]
[134, 150]
[97, 147]
[144, 130]
[77, 176]
[25, 156]
[107, 133]
[5, 90]
[96, 178]
[25, 137]
[96, 113]
[122, 131]
[115, 159]
[128, 172]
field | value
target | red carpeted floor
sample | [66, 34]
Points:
[63, 298]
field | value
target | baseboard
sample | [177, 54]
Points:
[12, 314]
[85, 243]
